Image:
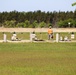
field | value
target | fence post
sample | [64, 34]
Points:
[4, 37]
[57, 37]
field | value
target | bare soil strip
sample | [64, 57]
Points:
[37, 29]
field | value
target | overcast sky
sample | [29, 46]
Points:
[34, 5]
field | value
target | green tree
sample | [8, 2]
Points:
[34, 24]
[42, 24]
[22, 25]
[27, 23]
[9, 23]
[73, 4]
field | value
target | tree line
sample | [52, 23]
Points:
[38, 19]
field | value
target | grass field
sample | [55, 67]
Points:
[37, 58]
[26, 35]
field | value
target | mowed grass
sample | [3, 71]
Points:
[40, 35]
[37, 58]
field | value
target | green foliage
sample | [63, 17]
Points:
[67, 23]
[60, 23]
[27, 23]
[37, 19]
[35, 24]
[9, 23]
[73, 4]
[42, 24]
[21, 25]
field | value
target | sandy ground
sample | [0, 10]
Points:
[23, 41]
[37, 29]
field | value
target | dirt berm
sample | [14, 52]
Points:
[37, 29]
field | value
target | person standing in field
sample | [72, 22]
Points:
[50, 33]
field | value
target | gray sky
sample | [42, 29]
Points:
[34, 5]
